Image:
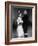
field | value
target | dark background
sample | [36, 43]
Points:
[27, 19]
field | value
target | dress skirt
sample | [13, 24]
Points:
[20, 31]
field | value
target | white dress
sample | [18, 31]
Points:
[20, 31]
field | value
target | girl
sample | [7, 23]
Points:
[20, 31]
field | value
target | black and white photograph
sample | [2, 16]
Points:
[21, 22]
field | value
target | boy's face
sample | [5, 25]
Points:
[25, 12]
